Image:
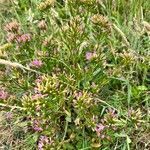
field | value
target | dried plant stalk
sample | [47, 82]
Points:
[16, 65]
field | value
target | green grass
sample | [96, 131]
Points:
[92, 70]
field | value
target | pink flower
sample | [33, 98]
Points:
[44, 140]
[78, 95]
[36, 63]
[38, 129]
[3, 95]
[40, 146]
[23, 38]
[38, 80]
[90, 55]
[36, 126]
[111, 113]
[99, 127]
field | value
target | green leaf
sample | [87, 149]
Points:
[68, 119]
[128, 139]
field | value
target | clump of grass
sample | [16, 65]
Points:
[75, 74]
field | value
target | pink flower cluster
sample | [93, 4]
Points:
[38, 80]
[44, 140]
[90, 55]
[11, 37]
[3, 95]
[106, 124]
[23, 38]
[78, 95]
[36, 126]
[36, 63]
[99, 128]
[111, 113]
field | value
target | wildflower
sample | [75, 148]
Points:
[3, 95]
[23, 38]
[135, 115]
[110, 116]
[82, 98]
[36, 63]
[42, 25]
[44, 140]
[38, 80]
[48, 84]
[99, 128]
[36, 126]
[38, 129]
[12, 26]
[78, 95]
[90, 55]
[40, 146]
[111, 113]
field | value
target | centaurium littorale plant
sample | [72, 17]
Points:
[3, 95]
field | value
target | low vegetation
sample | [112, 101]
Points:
[74, 74]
